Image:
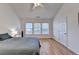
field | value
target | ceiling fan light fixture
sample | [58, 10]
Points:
[37, 5]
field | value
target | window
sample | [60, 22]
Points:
[28, 28]
[45, 28]
[37, 28]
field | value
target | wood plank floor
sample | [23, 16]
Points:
[52, 47]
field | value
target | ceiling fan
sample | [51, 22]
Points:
[36, 5]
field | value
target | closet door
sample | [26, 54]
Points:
[63, 33]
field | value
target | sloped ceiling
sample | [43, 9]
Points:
[24, 10]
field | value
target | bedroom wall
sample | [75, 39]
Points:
[71, 12]
[37, 20]
[8, 19]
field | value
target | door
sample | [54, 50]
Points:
[63, 33]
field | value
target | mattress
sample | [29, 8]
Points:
[16, 46]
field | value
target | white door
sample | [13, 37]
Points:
[63, 35]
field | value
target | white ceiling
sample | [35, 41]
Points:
[24, 10]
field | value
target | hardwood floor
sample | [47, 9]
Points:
[52, 47]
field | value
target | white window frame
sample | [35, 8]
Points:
[37, 27]
[28, 28]
[40, 28]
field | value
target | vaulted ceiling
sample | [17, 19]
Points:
[24, 10]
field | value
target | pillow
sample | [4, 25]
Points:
[4, 36]
[1, 39]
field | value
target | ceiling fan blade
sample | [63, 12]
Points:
[34, 6]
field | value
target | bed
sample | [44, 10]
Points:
[20, 46]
